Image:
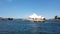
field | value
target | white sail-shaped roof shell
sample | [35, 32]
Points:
[35, 16]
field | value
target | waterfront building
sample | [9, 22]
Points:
[35, 17]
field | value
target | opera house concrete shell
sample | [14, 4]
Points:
[35, 17]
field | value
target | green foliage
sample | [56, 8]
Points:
[10, 18]
[55, 17]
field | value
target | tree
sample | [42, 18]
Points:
[55, 17]
[10, 18]
[43, 18]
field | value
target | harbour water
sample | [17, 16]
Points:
[29, 27]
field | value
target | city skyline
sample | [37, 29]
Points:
[24, 8]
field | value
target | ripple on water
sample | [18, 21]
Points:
[28, 27]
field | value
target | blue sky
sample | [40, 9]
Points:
[24, 8]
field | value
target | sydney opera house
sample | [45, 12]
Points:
[35, 17]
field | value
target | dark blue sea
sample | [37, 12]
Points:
[29, 27]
